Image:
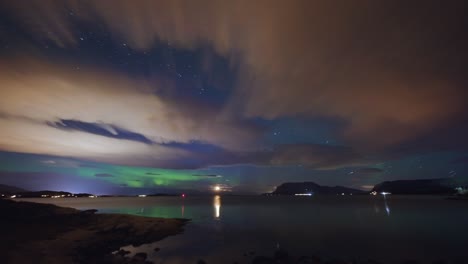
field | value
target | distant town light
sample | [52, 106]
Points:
[142, 195]
[303, 194]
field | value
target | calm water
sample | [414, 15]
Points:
[224, 228]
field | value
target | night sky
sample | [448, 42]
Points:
[127, 97]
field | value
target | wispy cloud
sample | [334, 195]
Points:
[103, 175]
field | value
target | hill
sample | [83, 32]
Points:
[424, 186]
[292, 188]
[7, 189]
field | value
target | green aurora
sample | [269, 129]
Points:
[124, 176]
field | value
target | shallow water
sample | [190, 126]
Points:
[224, 228]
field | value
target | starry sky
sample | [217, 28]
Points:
[126, 97]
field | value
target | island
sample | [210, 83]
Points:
[444, 186]
[312, 188]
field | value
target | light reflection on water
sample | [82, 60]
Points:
[387, 208]
[424, 228]
[217, 206]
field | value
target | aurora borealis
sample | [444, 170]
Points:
[118, 97]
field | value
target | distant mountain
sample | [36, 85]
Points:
[7, 189]
[292, 188]
[427, 186]
[43, 194]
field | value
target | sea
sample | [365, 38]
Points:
[230, 229]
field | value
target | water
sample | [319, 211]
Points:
[223, 228]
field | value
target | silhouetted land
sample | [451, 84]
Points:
[44, 233]
[405, 187]
[424, 186]
[7, 189]
[292, 188]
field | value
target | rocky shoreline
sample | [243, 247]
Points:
[45, 233]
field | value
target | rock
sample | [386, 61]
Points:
[201, 261]
[307, 260]
[88, 212]
[141, 256]
[411, 262]
[281, 255]
[262, 260]
[371, 261]
[157, 249]
[316, 259]
[122, 252]
[336, 261]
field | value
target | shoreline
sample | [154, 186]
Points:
[46, 233]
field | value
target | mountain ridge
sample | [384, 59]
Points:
[8, 189]
[292, 188]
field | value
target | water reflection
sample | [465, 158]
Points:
[217, 206]
[182, 209]
[387, 208]
[378, 206]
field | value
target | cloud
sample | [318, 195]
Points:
[53, 109]
[208, 175]
[461, 160]
[152, 173]
[37, 181]
[62, 163]
[99, 129]
[391, 70]
[103, 175]
[316, 156]
[368, 171]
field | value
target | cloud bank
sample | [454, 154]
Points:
[378, 66]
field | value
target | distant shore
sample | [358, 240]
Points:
[45, 233]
